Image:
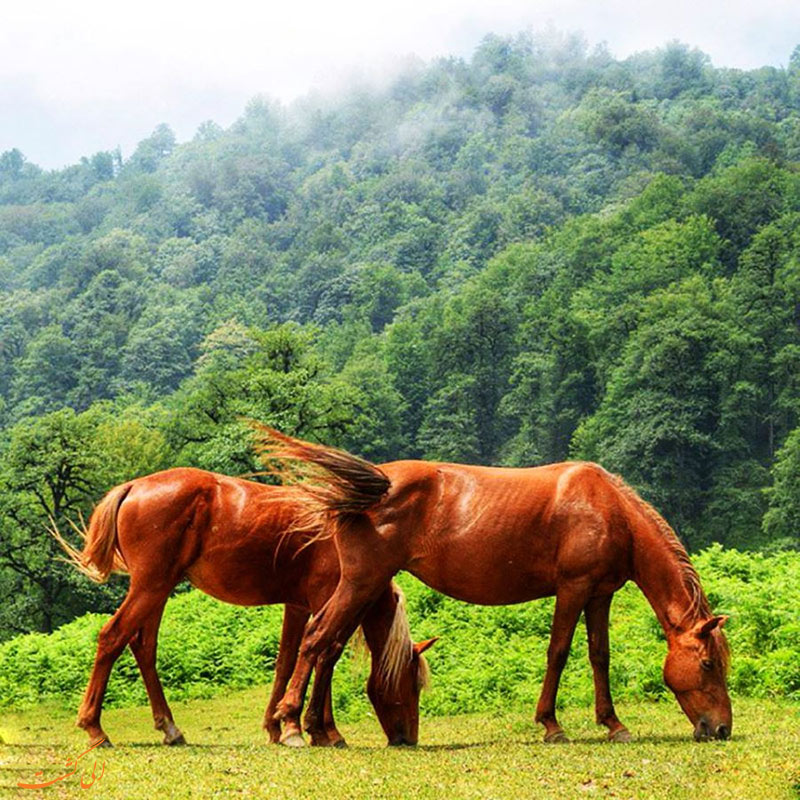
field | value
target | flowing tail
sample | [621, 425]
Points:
[101, 554]
[341, 482]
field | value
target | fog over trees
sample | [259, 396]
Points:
[536, 254]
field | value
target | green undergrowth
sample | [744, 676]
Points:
[488, 658]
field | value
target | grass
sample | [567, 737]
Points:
[468, 756]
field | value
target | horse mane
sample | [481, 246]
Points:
[699, 607]
[398, 650]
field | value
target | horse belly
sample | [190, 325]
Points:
[480, 571]
[243, 576]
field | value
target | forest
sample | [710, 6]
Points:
[535, 254]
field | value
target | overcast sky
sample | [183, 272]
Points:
[81, 76]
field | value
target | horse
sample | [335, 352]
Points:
[498, 535]
[231, 539]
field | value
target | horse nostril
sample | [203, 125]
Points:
[723, 732]
[702, 732]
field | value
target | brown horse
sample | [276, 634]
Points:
[498, 535]
[229, 538]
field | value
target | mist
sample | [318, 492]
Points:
[76, 80]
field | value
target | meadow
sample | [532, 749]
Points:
[466, 756]
[477, 736]
[538, 253]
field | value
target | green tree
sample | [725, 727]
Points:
[782, 519]
[55, 467]
[671, 417]
[272, 376]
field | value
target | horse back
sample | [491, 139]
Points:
[230, 537]
[501, 535]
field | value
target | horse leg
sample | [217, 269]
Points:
[366, 566]
[323, 643]
[114, 635]
[143, 645]
[596, 615]
[315, 718]
[569, 604]
[334, 737]
[318, 722]
[294, 623]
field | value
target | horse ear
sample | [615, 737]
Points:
[421, 647]
[703, 630]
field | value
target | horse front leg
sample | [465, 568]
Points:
[335, 738]
[318, 721]
[596, 615]
[315, 718]
[366, 567]
[569, 604]
[294, 624]
[143, 645]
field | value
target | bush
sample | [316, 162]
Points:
[487, 658]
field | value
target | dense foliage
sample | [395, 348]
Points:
[488, 657]
[539, 253]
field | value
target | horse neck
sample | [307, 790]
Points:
[661, 576]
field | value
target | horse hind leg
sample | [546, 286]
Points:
[569, 604]
[596, 616]
[324, 641]
[143, 645]
[294, 623]
[114, 635]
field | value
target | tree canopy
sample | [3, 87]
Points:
[535, 254]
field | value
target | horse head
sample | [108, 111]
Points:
[395, 696]
[695, 671]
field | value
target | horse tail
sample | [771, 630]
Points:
[338, 481]
[101, 554]
[398, 649]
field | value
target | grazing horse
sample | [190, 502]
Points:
[493, 535]
[244, 543]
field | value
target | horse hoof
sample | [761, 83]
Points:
[556, 737]
[106, 742]
[175, 740]
[326, 742]
[293, 740]
[622, 735]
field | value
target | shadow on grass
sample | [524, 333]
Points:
[667, 738]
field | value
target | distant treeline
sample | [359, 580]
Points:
[538, 254]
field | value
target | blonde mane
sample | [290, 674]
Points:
[398, 650]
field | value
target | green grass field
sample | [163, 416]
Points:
[469, 756]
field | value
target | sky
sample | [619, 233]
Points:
[88, 75]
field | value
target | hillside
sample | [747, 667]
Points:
[536, 254]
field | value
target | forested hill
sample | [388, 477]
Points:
[537, 254]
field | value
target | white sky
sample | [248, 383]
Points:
[78, 76]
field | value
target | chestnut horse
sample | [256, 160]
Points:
[229, 537]
[492, 535]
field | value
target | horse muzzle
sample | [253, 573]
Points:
[704, 731]
[401, 741]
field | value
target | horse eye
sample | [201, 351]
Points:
[707, 664]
